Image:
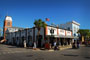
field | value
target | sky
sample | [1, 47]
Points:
[25, 12]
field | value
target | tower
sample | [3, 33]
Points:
[7, 24]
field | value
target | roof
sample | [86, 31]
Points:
[75, 22]
[59, 28]
[70, 22]
[13, 29]
[9, 18]
[17, 27]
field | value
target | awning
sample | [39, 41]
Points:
[60, 36]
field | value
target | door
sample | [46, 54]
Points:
[39, 40]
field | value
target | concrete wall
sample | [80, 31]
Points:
[29, 33]
[17, 37]
[75, 29]
[13, 36]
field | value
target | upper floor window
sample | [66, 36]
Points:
[68, 28]
[8, 23]
[52, 31]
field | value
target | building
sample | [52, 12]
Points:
[8, 28]
[63, 35]
[73, 25]
[49, 34]
[7, 24]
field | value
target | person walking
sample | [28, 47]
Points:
[34, 47]
[55, 47]
[78, 44]
[25, 44]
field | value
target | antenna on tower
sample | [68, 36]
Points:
[7, 13]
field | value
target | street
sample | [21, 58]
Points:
[8, 52]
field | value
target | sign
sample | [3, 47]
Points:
[51, 30]
[61, 32]
[68, 33]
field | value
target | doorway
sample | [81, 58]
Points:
[39, 40]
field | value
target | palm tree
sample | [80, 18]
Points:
[38, 24]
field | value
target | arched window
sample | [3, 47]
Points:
[8, 23]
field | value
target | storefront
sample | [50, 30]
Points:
[47, 35]
[61, 36]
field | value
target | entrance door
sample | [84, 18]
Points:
[22, 44]
[39, 40]
[52, 41]
[62, 41]
[68, 40]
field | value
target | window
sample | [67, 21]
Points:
[75, 29]
[52, 31]
[68, 28]
[8, 23]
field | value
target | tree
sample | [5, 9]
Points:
[84, 32]
[38, 24]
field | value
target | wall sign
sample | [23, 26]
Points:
[61, 32]
[68, 33]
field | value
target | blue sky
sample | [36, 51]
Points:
[24, 12]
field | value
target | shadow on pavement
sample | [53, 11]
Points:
[29, 56]
[70, 55]
[87, 57]
[40, 59]
[14, 47]
[72, 48]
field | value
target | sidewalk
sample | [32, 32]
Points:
[61, 48]
[65, 47]
[82, 45]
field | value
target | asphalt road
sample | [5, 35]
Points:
[13, 53]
